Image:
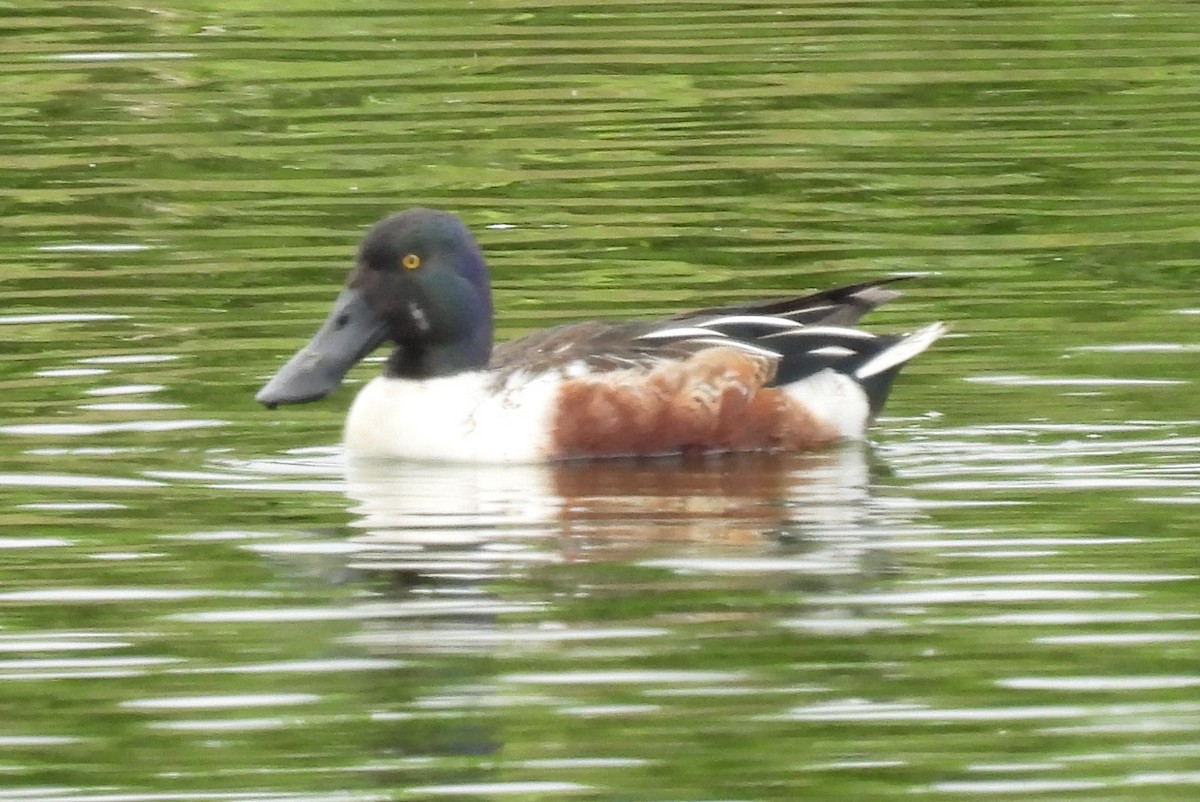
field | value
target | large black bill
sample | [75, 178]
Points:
[351, 331]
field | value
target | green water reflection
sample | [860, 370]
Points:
[199, 600]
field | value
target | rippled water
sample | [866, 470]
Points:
[203, 600]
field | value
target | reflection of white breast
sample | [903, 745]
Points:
[459, 418]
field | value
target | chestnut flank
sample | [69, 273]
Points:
[713, 401]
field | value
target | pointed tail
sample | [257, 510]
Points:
[875, 375]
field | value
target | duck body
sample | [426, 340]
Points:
[787, 374]
[713, 401]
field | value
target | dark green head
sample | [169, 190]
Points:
[419, 281]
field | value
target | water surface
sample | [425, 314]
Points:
[995, 597]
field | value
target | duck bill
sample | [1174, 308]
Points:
[351, 331]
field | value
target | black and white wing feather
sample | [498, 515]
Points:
[804, 335]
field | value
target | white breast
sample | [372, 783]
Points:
[456, 418]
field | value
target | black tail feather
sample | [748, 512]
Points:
[840, 306]
[873, 362]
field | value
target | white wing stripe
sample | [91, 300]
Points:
[833, 350]
[749, 348]
[682, 331]
[901, 352]
[825, 331]
[751, 320]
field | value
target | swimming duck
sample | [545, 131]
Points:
[786, 374]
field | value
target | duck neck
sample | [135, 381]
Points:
[423, 360]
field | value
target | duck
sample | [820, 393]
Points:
[785, 374]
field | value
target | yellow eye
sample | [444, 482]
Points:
[411, 261]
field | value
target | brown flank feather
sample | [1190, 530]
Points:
[715, 400]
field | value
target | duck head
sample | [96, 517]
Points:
[420, 282]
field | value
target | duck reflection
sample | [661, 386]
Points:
[557, 611]
[439, 520]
